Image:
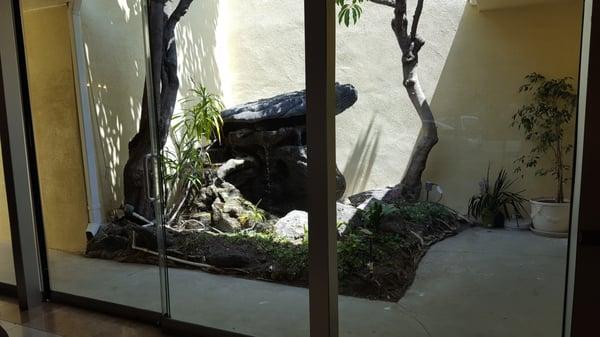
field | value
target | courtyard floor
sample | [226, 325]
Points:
[492, 283]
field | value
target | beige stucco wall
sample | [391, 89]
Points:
[56, 127]
[471, 65]
[478, 91]
[115, 56]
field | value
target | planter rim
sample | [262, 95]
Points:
[542, 201]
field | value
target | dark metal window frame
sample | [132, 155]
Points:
[320, 78]
[586, 275]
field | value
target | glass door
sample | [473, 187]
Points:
[235, 167]
[459, 156]
[93, 114]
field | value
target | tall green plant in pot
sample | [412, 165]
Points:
[544, 122]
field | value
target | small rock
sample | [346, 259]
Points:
[348, 217]
[203, 217]
[292, 226]
[234, 165]
[363, 199]
[205, 198]
[225, 214]
[224, 190]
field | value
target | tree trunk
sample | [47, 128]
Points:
[166, 85]
[410, 45]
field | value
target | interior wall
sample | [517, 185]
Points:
[56, 127]
[477, 93]
[4, 221]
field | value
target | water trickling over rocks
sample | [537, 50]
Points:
[264, 150]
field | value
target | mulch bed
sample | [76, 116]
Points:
[372, 264]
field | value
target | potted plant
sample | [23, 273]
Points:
[543, 123]
[495, 201]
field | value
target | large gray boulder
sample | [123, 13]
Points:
[284, 106]
[263, 150]
[293, 226]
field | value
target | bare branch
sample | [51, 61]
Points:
[416, 17]
[389, 3]
[178, 13]
[400, 25]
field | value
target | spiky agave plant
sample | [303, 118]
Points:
[495, 200]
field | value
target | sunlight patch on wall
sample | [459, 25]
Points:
[125, 8]
[222, 53]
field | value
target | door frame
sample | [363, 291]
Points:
[582, 300]
[25, 206]
[26, 215]
[21, 175]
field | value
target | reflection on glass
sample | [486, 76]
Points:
[81, 151]
[7, 271]
[231, 171]
[469, 238]
[235, 170]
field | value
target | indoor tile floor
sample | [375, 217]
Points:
[55, 320]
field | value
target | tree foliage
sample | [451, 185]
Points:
[350, 10]
[543, 122]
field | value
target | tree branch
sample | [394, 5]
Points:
[416, 17]
[400, 25]
[389, 3]
[178, 13]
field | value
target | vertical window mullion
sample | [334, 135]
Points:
[320, 91]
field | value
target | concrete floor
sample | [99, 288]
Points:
[480, 283]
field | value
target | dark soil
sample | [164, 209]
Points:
[372, 263]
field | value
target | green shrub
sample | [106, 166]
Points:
[423, 212]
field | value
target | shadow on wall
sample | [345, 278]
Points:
[368, 56]
[115, 57]
[477, 93]
[362, 158]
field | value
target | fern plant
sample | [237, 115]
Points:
[495, 201]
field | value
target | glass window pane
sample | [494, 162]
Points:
[242, 267]
[75, 144]
[458, 176]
